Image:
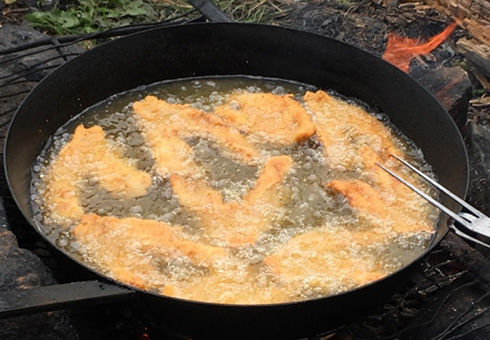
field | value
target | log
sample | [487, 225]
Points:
[477, 54]
[473, 15]
[478, 137]
[452, 88]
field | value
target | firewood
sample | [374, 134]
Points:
[452, 88]
[476, 53]
[473, 15]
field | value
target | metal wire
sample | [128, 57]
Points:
[462, 335]
[7, 112]
[34, 68]
[436, 313]
[18, 83]
[68, 40]
[13, 94]
[59, 44]
[456, 324]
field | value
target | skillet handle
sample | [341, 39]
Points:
[48, 298]
[212, 12]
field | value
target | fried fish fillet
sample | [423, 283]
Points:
[135, 250]
[165, 127]
[152, 255]
[213, 127]
[350, 136]
[273, 173]
[89, 154]
[269, 118]
[402, 213]
[332, 261]
[235, 223]
[170, 152]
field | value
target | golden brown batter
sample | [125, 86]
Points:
[89, 155]
[235, 223]
[350, 136]
[269, 118]
[329, 261]
[135, 250]
[267, 219]
[166, 126]
[400, 215]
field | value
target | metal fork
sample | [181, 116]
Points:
[473, 220]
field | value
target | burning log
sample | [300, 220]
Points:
[400, 50]
[472, 15]
[452, 88]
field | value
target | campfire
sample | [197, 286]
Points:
[444, 46]
[400, 50]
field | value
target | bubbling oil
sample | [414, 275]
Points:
[250, 274]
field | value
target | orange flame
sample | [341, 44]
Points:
[400, 50]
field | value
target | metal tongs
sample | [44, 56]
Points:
[474, 220]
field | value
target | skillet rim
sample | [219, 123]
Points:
[438, 235]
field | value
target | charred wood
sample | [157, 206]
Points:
[477, 54]
[479, 159]
[474, 260]
[452, 87]
[472, 15]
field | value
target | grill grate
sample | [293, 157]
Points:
[24, 65]
[448, 298]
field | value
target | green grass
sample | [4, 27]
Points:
[90, 16]
[95, 15]
[257, 11]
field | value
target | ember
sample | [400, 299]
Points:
[400, 50]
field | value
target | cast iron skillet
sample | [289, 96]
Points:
[239, 49]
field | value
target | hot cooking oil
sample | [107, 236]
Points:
[314, 243]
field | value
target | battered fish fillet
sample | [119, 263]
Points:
[401, 214]
[235, 223]
[350, 136]
[269, 118]
[136, 251]
[332, 261]
[166, 126]
[89, 154]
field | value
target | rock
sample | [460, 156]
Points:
[21, 269]
[45, 326]
[452, 88]
[19, 76]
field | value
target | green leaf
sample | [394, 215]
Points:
[134, 12]
[68, 20]
[89, 16]
[135, 8]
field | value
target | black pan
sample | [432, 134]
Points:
[239, 49]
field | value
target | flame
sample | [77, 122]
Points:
[400, 50]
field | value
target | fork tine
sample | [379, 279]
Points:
[466, 236]
[440, 187]
[428, 198]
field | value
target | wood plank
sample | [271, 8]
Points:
[473, 15]
[477, 54]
